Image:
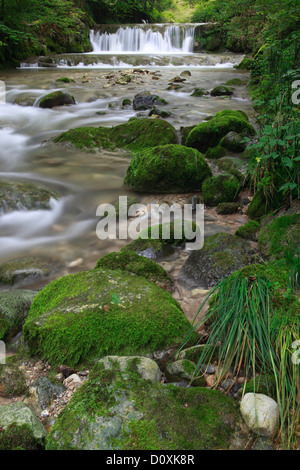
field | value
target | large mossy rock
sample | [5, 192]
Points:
[57, 98]
[132, 262]
[20, 429]
[208, 134]
[279, 235]
[169, 168]
[221, 255]
[219, 189]
[24, 196]
[135, 135]
[12, 381]
[14, 308]
[120, 411]
[95, 313]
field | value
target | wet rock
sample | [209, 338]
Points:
[233, 142]
[151, 249]
[159, 112]
[145, 100]
[228, 208]
[199, 92]
[186, 73]
[25, 101]
[57, 98]
[221, 91]
[221, 255]
[14, 308]
[261, 414]
[220, 189]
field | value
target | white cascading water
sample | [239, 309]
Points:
[173, 39]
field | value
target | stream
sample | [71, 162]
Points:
[66, 233]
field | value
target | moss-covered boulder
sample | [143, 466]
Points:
[199, 92]
[234, 166]
[173, 233]
[20, 429]
[208, 134]
[150, 248]
[279, 235]
[221, 90]
[135, 135]
[21, 269]
[258, 207]
[120, 411]
[95, 313]
[228, 208]
[12, 381]
[145, 100]
[216, 152]
[144, 366]
[221, 255]
[168, 168]
[221, 188]
[57, 98]
[65, 80]
[249, 230]
[130, 261]
[14, 308]
[24, 196]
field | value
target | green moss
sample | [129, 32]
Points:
[208, 134]
[76, 317]
[158, 420]
[16, 437]
[168, 168]
[236, 82]
[150, 248]
[12, 381]
[199, 92]
[14, 307]
[56, 98]
[248, 230]
[246, 64]
[218, 189]
[130, 261]
[65, 80]
[228, 208]
[258, 207]
[174, 233]
[135, 135]
[126, 102]
[24, 195]
[279, 235]
[216, 152]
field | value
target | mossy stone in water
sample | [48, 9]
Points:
[233, 142]
[221, 90]
[218, 189]
[208, 134]
[21, 269]
[130, 261]
[221, 255]
[228, 208]
[57, 98]
[169, 168]
[77, 317]
[65, 80]
[24, 196]
[120, 411]
[135, 135]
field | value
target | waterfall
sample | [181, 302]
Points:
[145, 39]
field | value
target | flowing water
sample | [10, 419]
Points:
[66, 233]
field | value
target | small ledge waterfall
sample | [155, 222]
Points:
[144, 39]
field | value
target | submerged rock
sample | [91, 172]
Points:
[117, 410]
[221, 90]
[21, 269]
[24, 196]
[169, 168]
[94, 313]
[221, 255]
